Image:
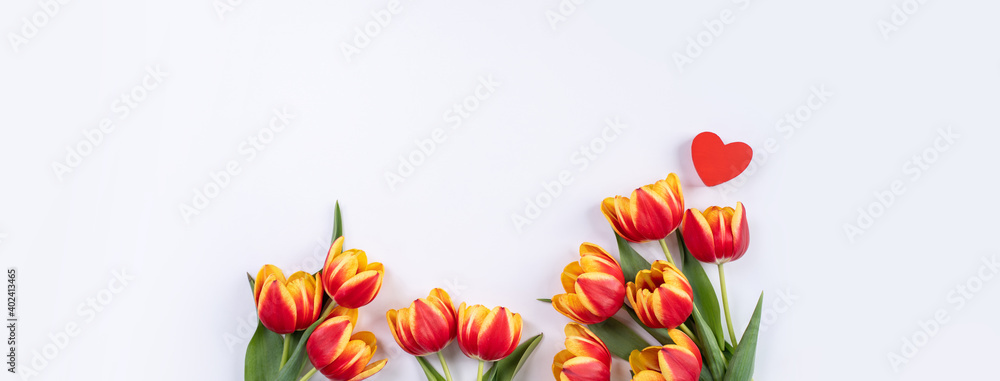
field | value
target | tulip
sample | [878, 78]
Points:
[348, 278]
[487, 335]
[338, 354]
[680, 361]
[287, 305]
[718, 235]
[427, 326]
[661, 296]
[652, 213]
[585, 358]
[595, 287]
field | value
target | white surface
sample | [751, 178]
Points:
[449, 225]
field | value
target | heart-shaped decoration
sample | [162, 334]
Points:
[716, 162]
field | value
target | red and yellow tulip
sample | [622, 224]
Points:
[287, 305]
[340, 355]
[718, 235]
[661, 296]
[595, 287]
[585, 358]
[348, 277]
[652, 213]
[488, 335]
[680, 361]
[427, 326]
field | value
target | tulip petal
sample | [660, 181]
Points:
[370, 370]
[585, 369]
[572, 307]
[648, 375]
[601, 294]
[276, 307]
[328, 341]
[360, 289]
[496, 335]
[262, 275]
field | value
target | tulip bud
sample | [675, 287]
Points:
[680, 361]
[718, 235]
[652, 213]
[348, 277]
[339, 355]
[427, 326]
[488, 335]
[585, 358]
[661, 296]
[287, 305]
[595, 287]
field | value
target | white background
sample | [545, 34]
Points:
[852, 300]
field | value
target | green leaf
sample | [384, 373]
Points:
[704, 293]
[298, 358]
[429, 371]
[253, 283]
[338, 224]
[710, 351]
[630, 260]
[705, 374]
[658, 333]
[545, 300]
[263, 355]
[620, 339]
[506, 369]
[741, 368]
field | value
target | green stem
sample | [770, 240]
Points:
[284, 352]
[687, 331]
[479, 373]
[444, 364]
[310, 374]
[666, 251]
[725, 305]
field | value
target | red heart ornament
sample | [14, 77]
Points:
[716, 162]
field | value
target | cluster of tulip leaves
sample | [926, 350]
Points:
[264, 352]
[720, 361]
[503, 370]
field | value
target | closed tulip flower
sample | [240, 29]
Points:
[427, 326]
[677, 362]
[340, 355]
[651, 213]
[595, 287]
[661, 296]
[488, 335]
[585, 358]
[348, 278]
[287, 305]
[717, 235]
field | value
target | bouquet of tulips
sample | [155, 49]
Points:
[673, 301]
[313, 316]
